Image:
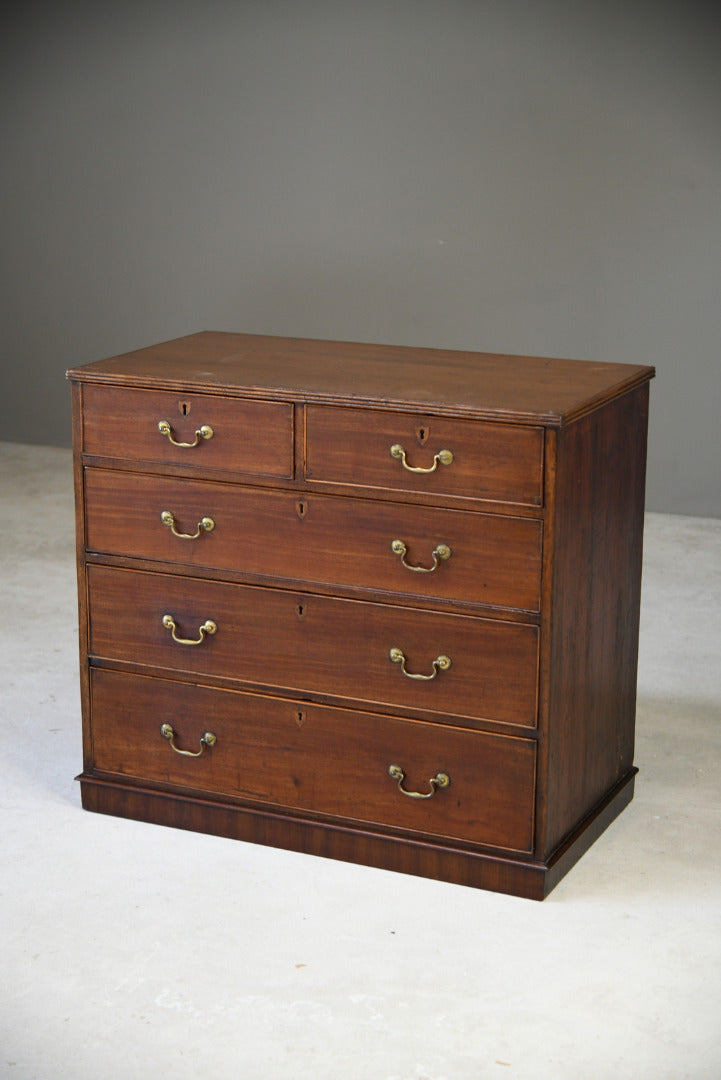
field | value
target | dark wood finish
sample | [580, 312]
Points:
[318, 760]
[249, 437]
[80, 555]
[532, 880]
[259, 532]
[499, 462]
[301, 643]
[594, 610]
[537, 606]
[435, 382]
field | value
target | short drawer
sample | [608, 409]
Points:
[400, 548]
[431, 455]
[199, 431]
[304, 643]
[316, 759]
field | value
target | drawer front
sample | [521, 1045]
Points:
[304, 643]
[250, 437]
[317, 759]
[499, 462]
[483, 559]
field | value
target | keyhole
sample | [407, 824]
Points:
[301, 611]
[422, 434]
[184, 407]
[301, 509]
[300, 718]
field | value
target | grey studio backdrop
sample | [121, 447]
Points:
[516, 176]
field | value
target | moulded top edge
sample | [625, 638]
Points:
[519, 389]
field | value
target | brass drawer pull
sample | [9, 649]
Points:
[441, 663]
[208, 627]
[208, 739]
[204, 432]
[440, 553]
[205, 524]
[445, 457]
[440, 780]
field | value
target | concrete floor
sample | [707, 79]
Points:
[132, 951]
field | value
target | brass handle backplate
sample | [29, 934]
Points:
[203, 432]
[208, 739]
[441, 663]
[438, 555]
[206, 524]
[440, 780]
[444, 457]
[208, 627]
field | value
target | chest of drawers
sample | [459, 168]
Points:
[371, 603]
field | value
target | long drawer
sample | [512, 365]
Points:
[317, 759]
[449, 666]
[435, 455]
[421, 551]
[234, 435]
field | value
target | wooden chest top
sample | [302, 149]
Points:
[481, 385]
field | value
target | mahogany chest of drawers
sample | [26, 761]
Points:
[373, 603]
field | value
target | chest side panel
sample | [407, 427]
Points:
[595, 603]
